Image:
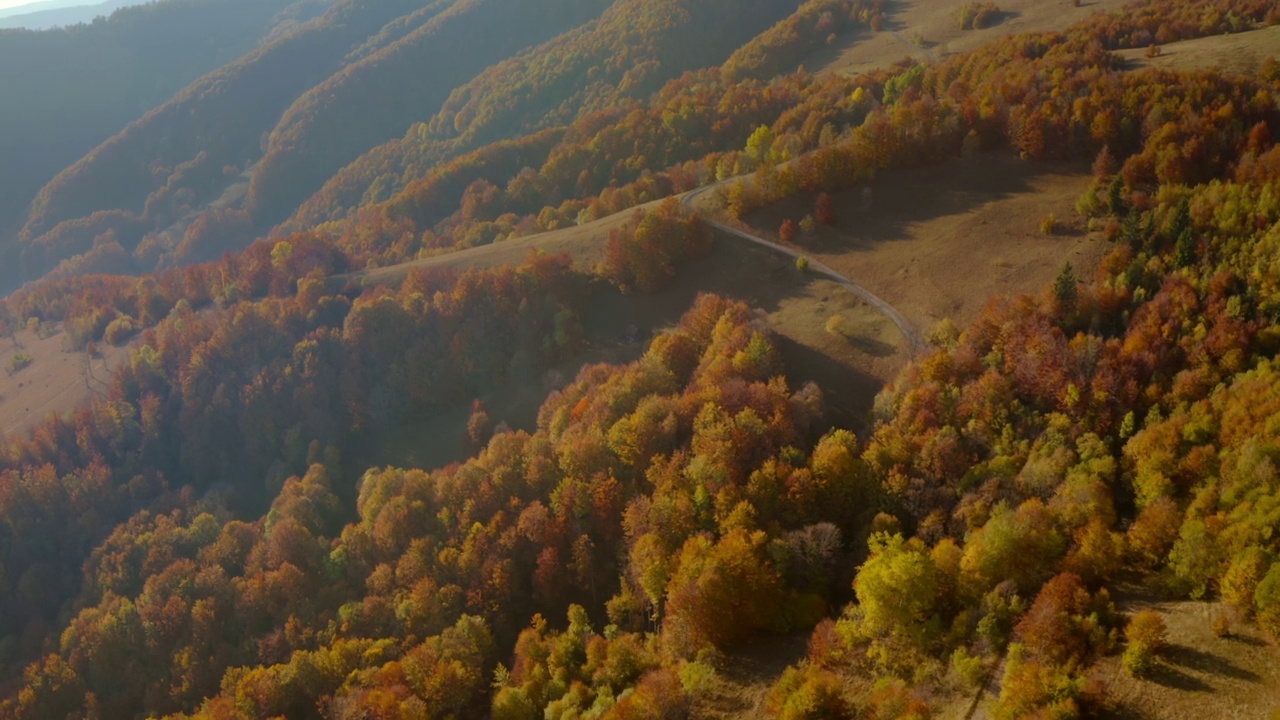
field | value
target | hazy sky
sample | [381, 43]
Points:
[6, 4]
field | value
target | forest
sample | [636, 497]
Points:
[224, 532]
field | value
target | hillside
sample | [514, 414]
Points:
[194, 135]
[376, 99]
[37, 17]
[651, 377]
[67, 90]
[316, 86]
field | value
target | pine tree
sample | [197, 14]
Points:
[1064, 288]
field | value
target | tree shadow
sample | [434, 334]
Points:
[763, 279]
[848, 393]
[1189, 657]
[889, 20]
[829, 53]
[1001, 18]
[885, 209]
[1246, 640]
[871, 346]
[1171, 677]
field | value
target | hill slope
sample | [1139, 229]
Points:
[67, 90]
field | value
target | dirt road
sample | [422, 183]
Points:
[915, 343]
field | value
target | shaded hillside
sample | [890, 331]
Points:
[376, 99]
[175, 156]
[65, 91]
[634, 49]
[58, 17]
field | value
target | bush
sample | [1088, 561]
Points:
[802, 264]
[787, 231]
[17, 362]
[120, 330]
[977, 15]
[1049, 225]
[968, 667]
[1146, 635]
[1138, 660]
[892, 698]
[1147, 628]
[808, 692]
[1222, 625]
[835, 325]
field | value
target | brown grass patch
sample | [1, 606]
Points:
[1240, 53]
[56, 381]
[939, 242]
[1199, 675]
[934, 22]
[584, 243]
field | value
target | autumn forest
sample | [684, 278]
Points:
[304, 486]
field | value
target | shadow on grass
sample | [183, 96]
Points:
[1189, 657]
[1246, 640]
[1171, 677]
[886, 209]
[871, 346]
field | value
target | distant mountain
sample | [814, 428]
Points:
[30, 7]
[41, 16]
[289, 116]
[64, 91]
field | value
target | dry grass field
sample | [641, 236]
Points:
[56, 381]
[584, 243]
[937, 242]
[1240, 53]
[1199, 675]
[927, 30]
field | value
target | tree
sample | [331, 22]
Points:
[1146, 635]
[897, 589]
[721, 592]
[787, 232]
[1065, 289]
[824, 209]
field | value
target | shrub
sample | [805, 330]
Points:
[1138, 660]
[809, 692]
[808, 225]
[968, 667]
[1147, 628]
[892, 698]
[802, 264]
[835, 325]
[1049, 225]
[976, 15]
[17, 362]
[120, 330]
[1146, 635]
[787, 232]
[1222, 625]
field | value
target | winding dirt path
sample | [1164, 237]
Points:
[915, 342]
